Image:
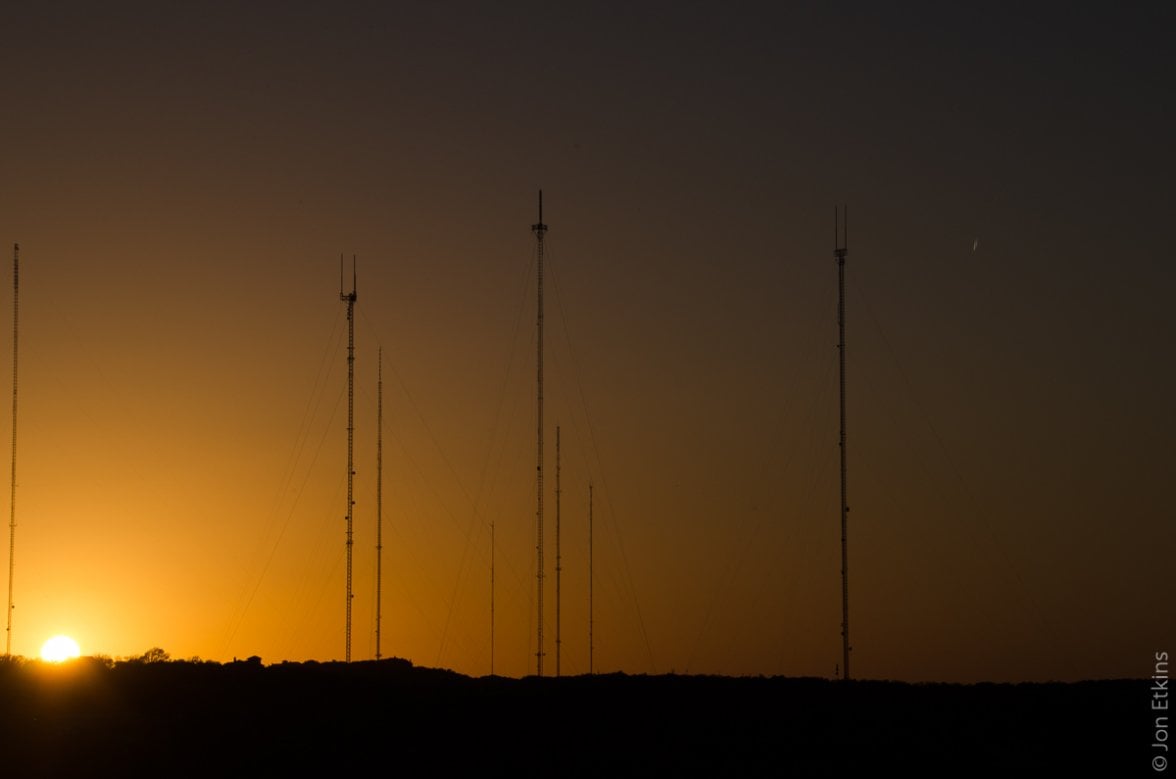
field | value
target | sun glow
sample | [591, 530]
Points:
[59, 649]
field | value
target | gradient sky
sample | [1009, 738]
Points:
[182, 183]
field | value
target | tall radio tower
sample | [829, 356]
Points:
[349, 299]
[12, 502]
[840, 244]
[539, 229]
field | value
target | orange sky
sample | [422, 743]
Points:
[182, 185]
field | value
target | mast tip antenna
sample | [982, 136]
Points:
[345, 296]
[539, 227]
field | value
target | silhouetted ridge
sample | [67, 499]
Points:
[97, 717]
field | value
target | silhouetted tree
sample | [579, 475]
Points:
[154, 655]
[106, 661]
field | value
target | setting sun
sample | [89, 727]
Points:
[59, 649]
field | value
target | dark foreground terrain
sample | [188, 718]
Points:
[92, 718]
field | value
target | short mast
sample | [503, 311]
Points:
[491, 597]
[558, 568]
[379, 492]
[590, 622]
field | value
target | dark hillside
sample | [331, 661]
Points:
[184, 718]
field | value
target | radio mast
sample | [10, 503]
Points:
[590, 625]
[12, 500]
[379, 490]
[557, 561]
[539, 229]
[840, 244]
[349, 299]
[491, 597]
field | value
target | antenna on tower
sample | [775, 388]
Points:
[379, 491]
[558, 568]
[349, 299]
[12, 501]
[539, 229]
[840, 249]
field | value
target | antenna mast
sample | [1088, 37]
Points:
[539, 229]
[379, 490]
[840, 243]
[491, 597]
[590, 578]
[12, 500]
[349, 299]
[557, 565]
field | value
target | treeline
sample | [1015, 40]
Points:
[152, 655]
[151, 714]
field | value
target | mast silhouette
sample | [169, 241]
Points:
[590, 612]
[557, 560]
[349, 299]
[539, 229]
[840, 243]
[491, 597]
[12, 498]
[379, 492]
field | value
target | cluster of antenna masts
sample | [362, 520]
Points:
[349, 299]
[840, 231]
[840, 249]
[540, 230]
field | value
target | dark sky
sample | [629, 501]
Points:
[182, 183]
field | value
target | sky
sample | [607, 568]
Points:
[184, 182]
